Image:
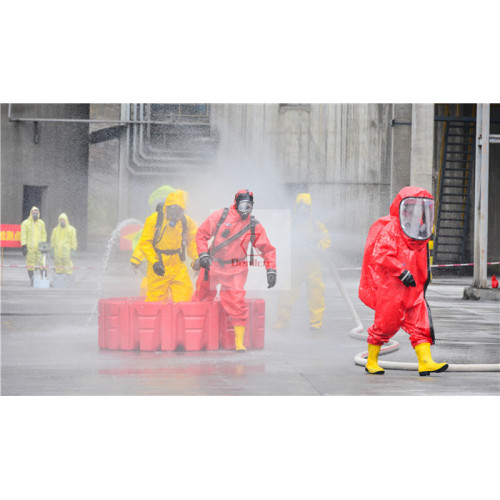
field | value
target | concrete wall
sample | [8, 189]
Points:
[350, 157]
[340, 153]
[56, 159]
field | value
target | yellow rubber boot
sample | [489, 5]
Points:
[372, 361]
[425, 363]
[239, 334]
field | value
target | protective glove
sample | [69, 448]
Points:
[158, 269]
[196, 264]
[205, 260]
[271, 278]
[134, 266]
[407, 278]
[24, 249]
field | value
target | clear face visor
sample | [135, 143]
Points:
[245, 207]
[417, 217]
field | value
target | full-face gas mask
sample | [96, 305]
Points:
[244, 203]
[416, 216]
[35, 214]
[174, 214]
[244, 208]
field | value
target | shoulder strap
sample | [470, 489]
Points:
[241, 232]
[182, 254]
[219, 224]
[253, 222]
[159, 222]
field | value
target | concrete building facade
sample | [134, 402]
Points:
[352, 158]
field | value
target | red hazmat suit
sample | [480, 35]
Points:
[389, 251]
[229, 266]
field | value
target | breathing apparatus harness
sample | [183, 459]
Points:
[159, 235]
[213, 250]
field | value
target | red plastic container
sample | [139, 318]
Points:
[196, 325]
[150, 323]
[255, 329]
[114, 324]
[132, 324]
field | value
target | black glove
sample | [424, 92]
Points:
[196, 264]
[205, 260]
[24, 249]
[407, 278]
[271, 278]
[159, 269]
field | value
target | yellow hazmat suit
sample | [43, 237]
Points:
[63, 243]
[166, 248]
[309, 239]
[32, 233]
[157, 196]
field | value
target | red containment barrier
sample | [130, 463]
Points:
[148, 321]
[197, 325]
[114, 324]
[255, 328]
[129, 324]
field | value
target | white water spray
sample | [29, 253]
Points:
[113, 239]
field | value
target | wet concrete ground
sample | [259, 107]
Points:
[49, 346]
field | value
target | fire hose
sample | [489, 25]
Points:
[358, 333]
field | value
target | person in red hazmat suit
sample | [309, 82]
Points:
[164, 243]
[394, 276]
[225, 262]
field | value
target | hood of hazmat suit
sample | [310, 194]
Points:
[158, 195]
[308, 235]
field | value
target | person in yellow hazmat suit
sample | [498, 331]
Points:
[310, 239]
[165, 240]
[63, 245]
[156, 201]
[32, 233]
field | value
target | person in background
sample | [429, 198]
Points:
[164, 242]
[63, 245]
[32, 233]
[310, 239]
[225, 263]
[394, 276]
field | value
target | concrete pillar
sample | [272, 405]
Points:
[481, 196]
[422, 146]
[123, 173]
[400, 147]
